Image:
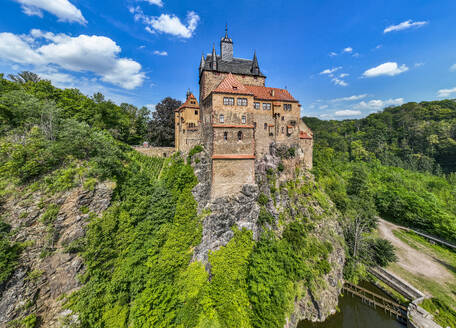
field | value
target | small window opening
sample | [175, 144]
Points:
[265, 126]
[240, 135]
[225, 136]
[244, 119]
[222, 118]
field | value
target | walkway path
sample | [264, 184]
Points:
[413, 260]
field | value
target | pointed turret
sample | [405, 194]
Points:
[202, 63]
[255, 68]
[214, 59]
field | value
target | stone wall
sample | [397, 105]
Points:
[229, 175]
[156, 151]
[210, 80]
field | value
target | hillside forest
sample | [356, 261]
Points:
[138, 253]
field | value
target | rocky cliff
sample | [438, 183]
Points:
[286, 192]
[49, 226]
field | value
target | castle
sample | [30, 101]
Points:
[237, 119]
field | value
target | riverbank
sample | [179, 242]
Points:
[430, 268]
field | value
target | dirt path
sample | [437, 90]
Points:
[411, 259]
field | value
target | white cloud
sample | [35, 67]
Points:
[84, 53]
[63, 9]
[351, 98]
[444, 93]
[332, 54]
[389, 69]
[329, 71]
[453, 68]
[160, 53]
[378, 104]
[343, 75]
[169, 24]
[155, 2]
[404, 25]
[323, 106]
[151, 107]
[348, 50]
[379, 46]
[419, 64]
[347, 112]
[339, 82]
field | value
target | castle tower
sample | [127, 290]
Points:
[187, 124]
[226, 47]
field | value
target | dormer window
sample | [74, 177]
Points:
[228, 101]
[242, 101]
[235, 88]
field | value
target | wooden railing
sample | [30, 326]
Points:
[375, 300]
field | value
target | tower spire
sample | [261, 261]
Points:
[255, 68]
[202, 62]
[226, 30]
[214, 58]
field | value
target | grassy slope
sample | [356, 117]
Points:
[445, 292]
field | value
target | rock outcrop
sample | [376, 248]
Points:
[48, 267]
[271, 174]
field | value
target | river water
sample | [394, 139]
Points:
[355, 314]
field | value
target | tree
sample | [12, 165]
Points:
[161, 127]
[24, 77]
[383, 252]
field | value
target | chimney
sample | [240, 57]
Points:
[273, 92]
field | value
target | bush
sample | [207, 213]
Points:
[263, 199]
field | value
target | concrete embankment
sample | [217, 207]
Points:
[417, 317]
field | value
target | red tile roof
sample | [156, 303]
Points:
[188, 103]
[266, 93]
[304, 135]
[231, 85]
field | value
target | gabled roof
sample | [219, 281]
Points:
[235, 66]
[231, 85]
[191, 102]
[266, 93]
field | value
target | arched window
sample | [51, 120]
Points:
[225, 135]
[240, 135]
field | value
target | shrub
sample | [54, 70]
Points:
[263, 199]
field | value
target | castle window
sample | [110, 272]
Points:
[242, 102]
[243, 119]
[254, 125]
[287, 107]
[229, 101]
[196, 112]
[225, 136]
[293, 123]
[283, 118]
[267, 106]
[256, 105]
[265, 126]
[240, 135]
[222, 118]
[282, 130]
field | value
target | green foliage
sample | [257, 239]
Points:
[263, 199]
[416, 136]
[50, 214]
[277, 266]
[195, 150]
[383, 252]
[443, 314]
[9, 253]
[265, 217]
[161, 131]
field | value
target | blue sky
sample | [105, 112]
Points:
[340, 59]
